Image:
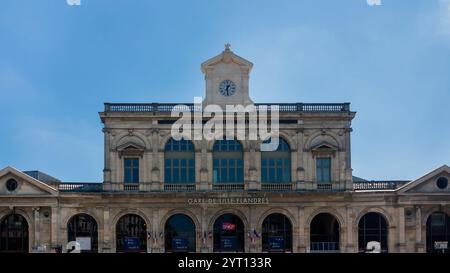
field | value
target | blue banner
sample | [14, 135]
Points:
[131, 243]
[180, 244]
[228, 243]
[276, 242]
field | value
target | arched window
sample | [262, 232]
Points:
[228, 234]
[14, 234]
[438, 232]
[179, 162]
[83, 229]
[372, 228]
[324, 235]
[276, 165]
[277, 233]
[228, 165]
[131, 234]
[179, 234]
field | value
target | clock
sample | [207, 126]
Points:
[227, 88]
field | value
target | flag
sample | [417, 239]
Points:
[204, 237]
[256, 233]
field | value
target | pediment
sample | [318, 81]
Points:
[26, 185]
[227, 56]
[430, 183]
[324, 146]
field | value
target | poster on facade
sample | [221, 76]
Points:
[228, 243]
[131, 243]
[276, 242]
[180, 244]
[85, 242]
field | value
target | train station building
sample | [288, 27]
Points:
[160, 194]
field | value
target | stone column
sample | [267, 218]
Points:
[301, 230]
[155, 168]
[300, 169]
[54, 226]
[201, 160]
[204, 229]
[401, 230]
[157, 247]
[252, 226]
[107, 156]
[419, 240]
[106, 248]
[348, 160]
[350, 230]
[250, 157]
[37, 240]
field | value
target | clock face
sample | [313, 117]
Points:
[227, 88]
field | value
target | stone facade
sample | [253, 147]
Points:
[311, 131]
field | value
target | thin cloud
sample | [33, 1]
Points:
[443, 14]
[374, 2]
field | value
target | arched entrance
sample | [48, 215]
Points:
[324, 235]
[131, 234]
[276, 233]
[438, 233]
[228, 234]
[179, 234]
[83, 229]
[14, 234]
[372, 227]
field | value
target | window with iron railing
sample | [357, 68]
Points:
[276, 165]
[131, 170]
[179, 162]
[323, 170]
[228, 163]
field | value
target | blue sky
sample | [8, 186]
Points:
[60, 63]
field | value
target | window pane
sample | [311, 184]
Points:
[127, 162]
[135, 162]
[127, 175]
[271, 174]
[136, 175]
[323, 169]
[183, 170]
[191, 174]
[240, 171]
[223, 170]
[176, 145]
[131, 170]
[287, 170]
[232, 171]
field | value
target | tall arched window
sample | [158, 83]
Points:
[277, 233]
[324, 235]
[372, 228]
[179, 234]
[276, 165]
[438, 232]
[83, 229]
[179, 162]
[131, 234]
[228, 164]
[14, 234]
[229, 234]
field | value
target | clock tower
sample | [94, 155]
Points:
[226, 77]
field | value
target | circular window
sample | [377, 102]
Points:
[11, 185]
[442, 183]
